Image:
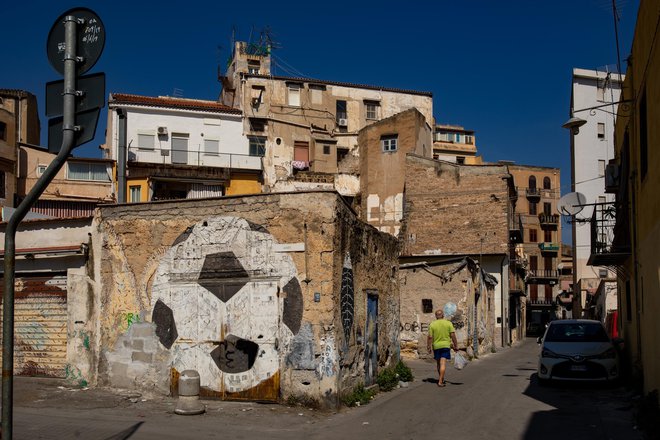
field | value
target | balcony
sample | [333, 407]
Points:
[548, 247]
[549, 220]
[167, 156]
[515, 229]
[610, 242]
[541, 302]
[533, 194]
[542, 276]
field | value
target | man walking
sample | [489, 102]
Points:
[442, 337]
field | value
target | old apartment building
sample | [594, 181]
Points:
[19, 123]
[454, 143]
[176, 148]
[306, 129]
[538, 191]
[591, 150]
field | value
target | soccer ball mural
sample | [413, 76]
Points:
[227, 303]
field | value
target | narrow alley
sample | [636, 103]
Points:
[496, 397]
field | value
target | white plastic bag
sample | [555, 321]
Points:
[459, 361]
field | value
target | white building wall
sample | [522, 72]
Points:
[588, 150]
[225, 128]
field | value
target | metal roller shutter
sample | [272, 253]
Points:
[40, 324]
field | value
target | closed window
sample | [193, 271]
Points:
[601, 168]
[389, 143]
[97, 172]
[532, 236]
[547, 208]
[326, 149]
[546, 183]
[146, 141]
[601, 130]
[211, 147]
[316, 93]
[135, 193]
[257, 146]
[294, 95]
[469, 139]
[372, 108]
[180, 148]
[532, 208]
[600, 90]
[547, 236]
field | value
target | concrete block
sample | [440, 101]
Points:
[142, 330]
[139, 356]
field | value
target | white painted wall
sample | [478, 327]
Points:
[588, 150]
[226, 128]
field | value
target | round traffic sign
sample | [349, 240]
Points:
[90, 38]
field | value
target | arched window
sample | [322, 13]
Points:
[532, 182]
[546, 183]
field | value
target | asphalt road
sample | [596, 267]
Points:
[496, 397]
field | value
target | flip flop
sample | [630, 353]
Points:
[442, 384]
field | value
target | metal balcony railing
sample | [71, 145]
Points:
[549, 247]
[541, 301]
[606, 249]
[548, 219]
[533, 193]
[543, 273]
[194, 158]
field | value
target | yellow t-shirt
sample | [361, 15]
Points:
[440, 331]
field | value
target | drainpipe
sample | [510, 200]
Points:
[121, 156]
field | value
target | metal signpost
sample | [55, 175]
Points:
[75, 43]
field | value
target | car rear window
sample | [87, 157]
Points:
[576, 333]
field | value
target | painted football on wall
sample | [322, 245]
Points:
[226, 302]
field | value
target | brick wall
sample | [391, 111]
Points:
[454, 209]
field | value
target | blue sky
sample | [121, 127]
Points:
[500, 68]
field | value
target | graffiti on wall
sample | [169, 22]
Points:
[226, 303]
[347, 299]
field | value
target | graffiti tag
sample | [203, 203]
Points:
[130, 318]
[415, 326]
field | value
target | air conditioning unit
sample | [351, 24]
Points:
[342, 122]
[162, 131]
[612, 177]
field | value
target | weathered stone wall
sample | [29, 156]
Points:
[371, 258]
[246, 290]
[437, 284]
[382, 173]
[455, 209]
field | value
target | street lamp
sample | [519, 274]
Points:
[574, 124]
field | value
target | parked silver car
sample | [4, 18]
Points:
[577, 349]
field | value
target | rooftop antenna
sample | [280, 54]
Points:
[177, 93]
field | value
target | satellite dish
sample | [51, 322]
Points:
[571, 203]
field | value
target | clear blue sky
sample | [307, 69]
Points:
[500, 68]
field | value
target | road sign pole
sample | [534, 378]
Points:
[68, 141]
